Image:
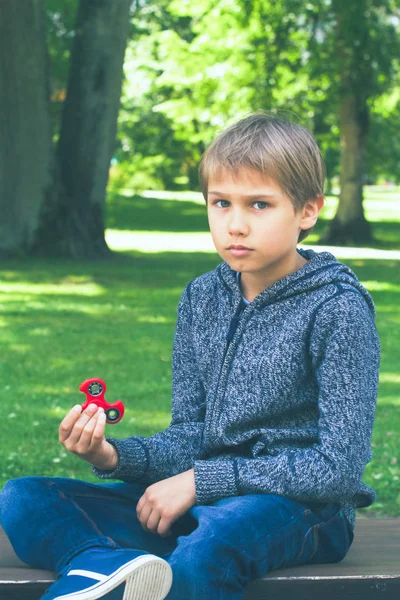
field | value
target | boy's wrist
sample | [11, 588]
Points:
[109, 458]
[131, 460]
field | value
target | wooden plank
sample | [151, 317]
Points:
[25, 591]
[14, 575]
[324, 589]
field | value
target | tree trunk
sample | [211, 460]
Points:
[25, 135]
[73, 217]
[349, 226]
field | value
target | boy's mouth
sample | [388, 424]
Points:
[239, 251]
[234, 247]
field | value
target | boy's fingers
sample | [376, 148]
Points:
[98, 432]
[69, 421]
[86, 438]
[140, 505]
[153, 521]
[95, 424]
[144, 514]
[163, 528]
[81, 423]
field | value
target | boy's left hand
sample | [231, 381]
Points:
[165, 501]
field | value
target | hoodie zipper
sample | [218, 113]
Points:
[231, 332]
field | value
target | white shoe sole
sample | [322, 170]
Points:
[152, 581]
[147, 577]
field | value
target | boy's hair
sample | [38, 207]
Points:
[274, 146]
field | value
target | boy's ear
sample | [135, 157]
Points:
[311, 211]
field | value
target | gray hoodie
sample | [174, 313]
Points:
[277, 397]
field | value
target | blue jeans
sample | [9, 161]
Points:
[214, 550]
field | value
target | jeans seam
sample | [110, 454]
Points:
[315, 529]
[310, 530]
[80, 509]
[85, 515]
[316, 543]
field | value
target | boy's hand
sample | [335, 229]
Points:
[165, 501]
[82, 433]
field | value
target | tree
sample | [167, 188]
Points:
[366, 44]
[73, 216]
[59, 193]
[327, 61]
[330, 57]
[25, 148]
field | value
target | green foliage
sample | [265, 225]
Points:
[193, 68]
[140, 173]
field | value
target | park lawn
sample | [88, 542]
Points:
[63, 322]
[179, 213]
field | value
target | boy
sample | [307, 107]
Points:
[275, 373]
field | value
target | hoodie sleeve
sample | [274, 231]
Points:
[344, 349]
[173, 450]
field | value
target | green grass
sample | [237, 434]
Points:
[161, 212]
[62, 322]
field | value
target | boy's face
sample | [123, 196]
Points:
[254, 225]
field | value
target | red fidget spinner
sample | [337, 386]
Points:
[95, 390]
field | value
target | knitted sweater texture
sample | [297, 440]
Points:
[277, 399]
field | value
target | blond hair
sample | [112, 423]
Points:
[275, 146]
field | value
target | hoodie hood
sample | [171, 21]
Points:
[321, 269]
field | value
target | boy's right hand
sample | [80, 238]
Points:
[82, 433]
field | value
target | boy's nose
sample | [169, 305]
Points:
[238, 225]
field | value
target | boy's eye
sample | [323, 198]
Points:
[262, 205]
[222, 203]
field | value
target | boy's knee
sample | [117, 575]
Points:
[13, 487]
[20, 491]
[201, 572]
[21, 483]
[190, 575]
[195, 560]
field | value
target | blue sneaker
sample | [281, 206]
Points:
[95, 573]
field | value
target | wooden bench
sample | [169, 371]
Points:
[370, 571]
